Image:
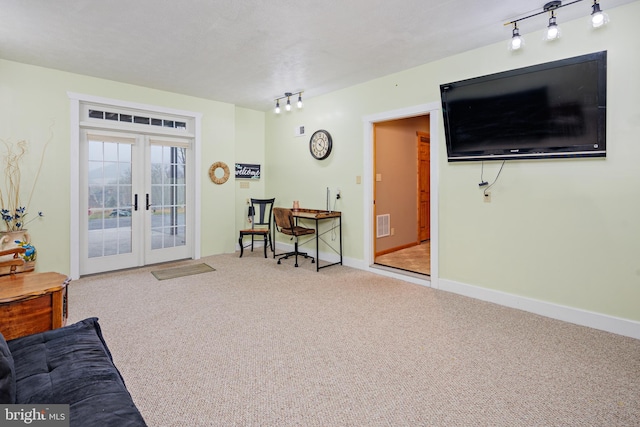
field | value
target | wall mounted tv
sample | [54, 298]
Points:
[551, 110]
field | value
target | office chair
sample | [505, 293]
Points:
[285, 224]
[260, 224]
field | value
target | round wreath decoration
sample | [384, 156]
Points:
[212, 173]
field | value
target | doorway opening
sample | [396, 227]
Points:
[401, 194]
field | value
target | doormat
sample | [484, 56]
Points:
[187, 270]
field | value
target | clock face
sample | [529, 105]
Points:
[320, 144]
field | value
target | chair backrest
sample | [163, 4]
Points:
[284, 219]
[264, 208]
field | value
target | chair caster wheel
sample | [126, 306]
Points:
[296, 265]
[313, 261]
[278, 261]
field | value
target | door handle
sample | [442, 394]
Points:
[148, 204]
[135, 202]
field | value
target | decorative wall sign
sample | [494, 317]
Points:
[219, 173]
[247, 171]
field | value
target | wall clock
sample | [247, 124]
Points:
[320, 144]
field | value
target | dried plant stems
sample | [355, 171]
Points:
[13, 212]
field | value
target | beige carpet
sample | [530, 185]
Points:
[261, 344]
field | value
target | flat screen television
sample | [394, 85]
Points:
[551, 110]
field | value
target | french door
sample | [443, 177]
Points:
[136, 200]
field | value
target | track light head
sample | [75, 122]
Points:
[516, 42]
[598, 18]
[300, 100]
[277, 106]
[553, 31]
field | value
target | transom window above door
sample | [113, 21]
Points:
[135, 120]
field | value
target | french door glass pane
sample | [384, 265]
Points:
[109, 195]
[168, 188]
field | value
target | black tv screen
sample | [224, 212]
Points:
[551, 110]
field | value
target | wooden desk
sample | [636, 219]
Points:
[318, 215]
[32, 303]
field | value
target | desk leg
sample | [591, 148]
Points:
[340, 227]
[317, 247]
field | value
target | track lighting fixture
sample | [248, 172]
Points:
[598, 19]
[287, 106]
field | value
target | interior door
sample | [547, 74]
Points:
[424, 183]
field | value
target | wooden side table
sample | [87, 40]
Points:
[32, 303]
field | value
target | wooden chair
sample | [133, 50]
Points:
[13, 265]
[260, 224]
[285, 224]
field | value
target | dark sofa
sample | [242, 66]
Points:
[71, 365]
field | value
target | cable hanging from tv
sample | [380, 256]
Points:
[484, 183]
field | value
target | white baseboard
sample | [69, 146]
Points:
[603, 322]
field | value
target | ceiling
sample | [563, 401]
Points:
[249, 52]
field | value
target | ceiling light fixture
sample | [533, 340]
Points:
[598, 19]
[287, 106]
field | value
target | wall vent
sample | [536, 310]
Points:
[383, 228]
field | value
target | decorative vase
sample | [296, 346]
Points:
[15, 239]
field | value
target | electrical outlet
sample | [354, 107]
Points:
[487, 196]
[393, 231]
[338, 193]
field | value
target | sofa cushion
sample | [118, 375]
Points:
[7, 374]
[72, 365]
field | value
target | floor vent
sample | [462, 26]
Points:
[382, 228]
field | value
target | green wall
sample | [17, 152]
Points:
[560, 231]
[34, 105]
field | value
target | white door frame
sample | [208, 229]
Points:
[76, 100]
[433, 110]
